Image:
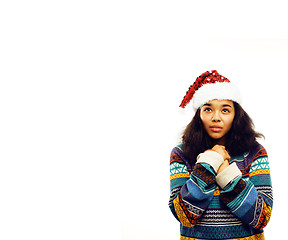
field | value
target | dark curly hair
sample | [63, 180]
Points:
[241, 137]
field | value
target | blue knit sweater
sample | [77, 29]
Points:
[235, 204]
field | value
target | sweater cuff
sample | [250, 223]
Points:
[227, 175]
[213, 158]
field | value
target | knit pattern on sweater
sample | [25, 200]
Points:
[205, 211]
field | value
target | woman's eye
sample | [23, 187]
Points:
[207, 110]
[225, 110]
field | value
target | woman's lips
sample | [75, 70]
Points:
[215, 128]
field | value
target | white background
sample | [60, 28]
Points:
[89, 108]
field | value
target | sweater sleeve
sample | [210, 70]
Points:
[191, 193]
[249, 199]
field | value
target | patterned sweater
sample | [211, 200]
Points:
[235, 204]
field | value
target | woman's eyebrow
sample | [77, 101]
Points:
[207, 104]
[226, 105]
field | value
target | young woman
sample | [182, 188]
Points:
[219, 176]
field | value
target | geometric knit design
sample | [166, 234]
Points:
[204, 174]
[205, 211]
[259, 236]
[260, 163]
[176, 168]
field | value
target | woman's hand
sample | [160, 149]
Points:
[221, 150]
[223, 166]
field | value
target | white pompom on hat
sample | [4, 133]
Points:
[209, 86]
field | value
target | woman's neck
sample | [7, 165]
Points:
[221, 141]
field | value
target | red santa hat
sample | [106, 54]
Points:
[209, 86]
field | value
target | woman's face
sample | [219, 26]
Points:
[217, 117]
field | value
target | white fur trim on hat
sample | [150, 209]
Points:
[219, 91]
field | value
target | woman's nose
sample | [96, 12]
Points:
[216, 117]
